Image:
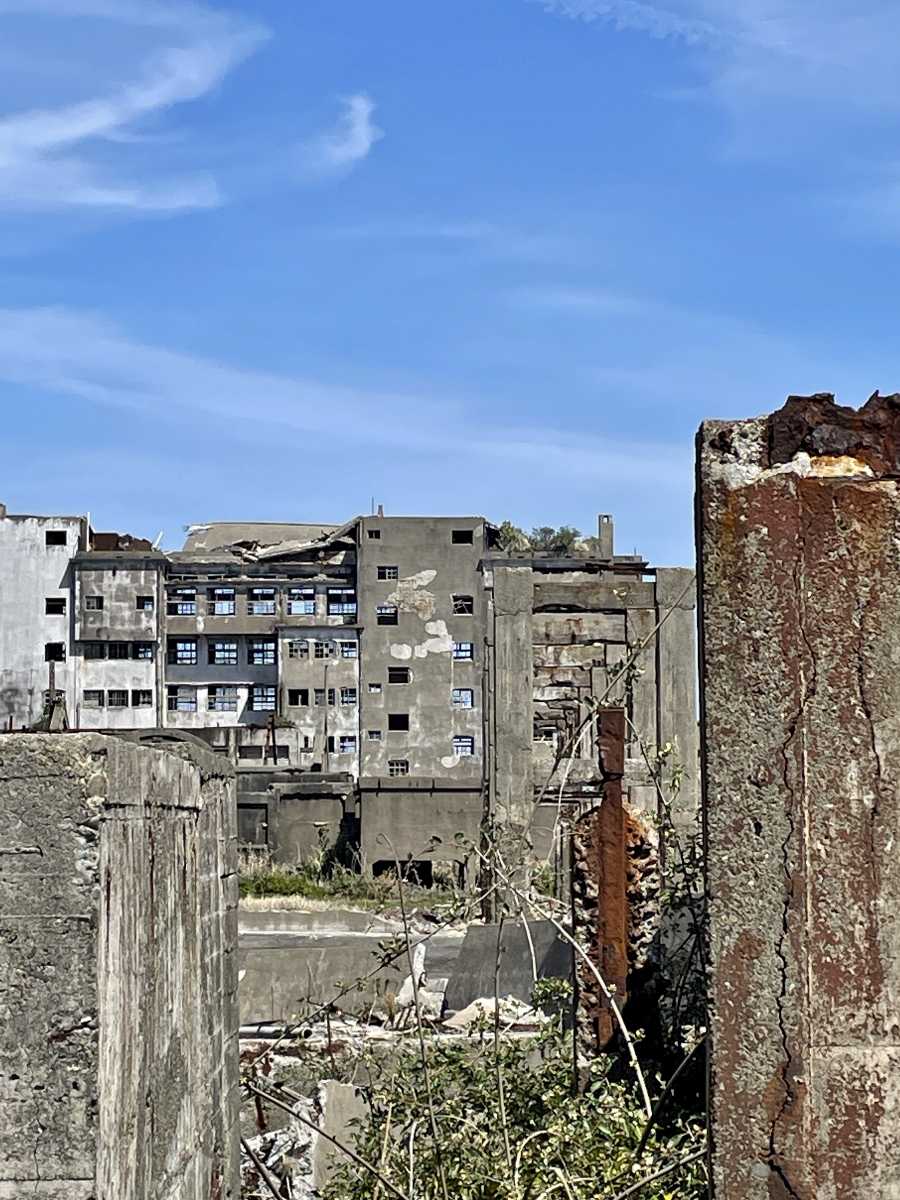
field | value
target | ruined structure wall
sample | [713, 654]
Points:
[30, 573]
[798, 535]
[511, 781]
[117, 948]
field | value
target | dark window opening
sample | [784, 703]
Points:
[117, 698]
[144, 603]
[261, 602]
[119, 650]
[54, 652]
[141, 698]
[464, 747]
[222, 654]
[55, 606]
[301, 601]
[182, 654]
[388, 573]
[341, 602]
[398, 674]
[220, 602]
[462, 537]
[463, 650]
[374, 534]
[262, 698]
[463, 606]
[398, 722]
[182, 699]
[262, 653]
[398, 766]
[93, 650]
[250, 752]
[93, 603]
[222, 699]
[143, 650]
[386, 614]
[93, 698]
[55, 537]
[182, 602]
[298, 697]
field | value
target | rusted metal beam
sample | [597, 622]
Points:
[599, 893]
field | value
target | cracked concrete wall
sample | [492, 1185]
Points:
[118, 976]
[799, 541]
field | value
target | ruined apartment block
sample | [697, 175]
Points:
[396, 678]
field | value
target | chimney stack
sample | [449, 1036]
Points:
[605, 535]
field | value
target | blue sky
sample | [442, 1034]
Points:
[268, 260]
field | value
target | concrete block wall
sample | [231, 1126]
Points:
[118, 971]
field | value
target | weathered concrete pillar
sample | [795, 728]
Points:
[118, 971]
[799, 541]
[676, 670]
[513, 710]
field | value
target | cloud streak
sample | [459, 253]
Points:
[339, 150]
[47, 156]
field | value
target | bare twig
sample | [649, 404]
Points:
[262, 1170]
[358, 1159]
[501, 1092]
[676, 1166]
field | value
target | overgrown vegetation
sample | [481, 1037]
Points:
[547, 539]
[512, 1128]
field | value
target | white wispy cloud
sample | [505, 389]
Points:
[338, 150]
[586, 300]
[86, 357]
[48, 156]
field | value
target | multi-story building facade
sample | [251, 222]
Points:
[404, 674]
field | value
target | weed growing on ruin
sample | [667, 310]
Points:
[529, 1139]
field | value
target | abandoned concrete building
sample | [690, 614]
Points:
[396, 677]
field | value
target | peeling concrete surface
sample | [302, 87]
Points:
[118, 985]
[799, 537]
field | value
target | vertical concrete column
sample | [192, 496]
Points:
[513, 712]
[676, 671]
[799, 541]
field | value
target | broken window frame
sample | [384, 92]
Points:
[349, 649]
[117, 698]
[217, 657]
[463, 651]
[324, 648]
[93, 604]
[93, 698]
[261, 602]
[144, 603]
[143, 651]
[375, 735]
[141, 698]
[260, 702]
[346, 743]
[386, 614]
[463, 606]
[302, 700]
[349, 696]
[463, 745]
[398, 767]
[182, 652]
[375, 689]
[398, 675]
[374, 535]
[220, 602]
[181, 698]
[182, 602]
[386, 572]
[462, 698]
[222, 697]
[338, 603]
[301, 602]
[298, 648]
[261, 652]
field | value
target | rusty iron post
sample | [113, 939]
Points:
[799, 546]
[599, 902]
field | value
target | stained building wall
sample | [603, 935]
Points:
[31, 573]
[118, 979]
